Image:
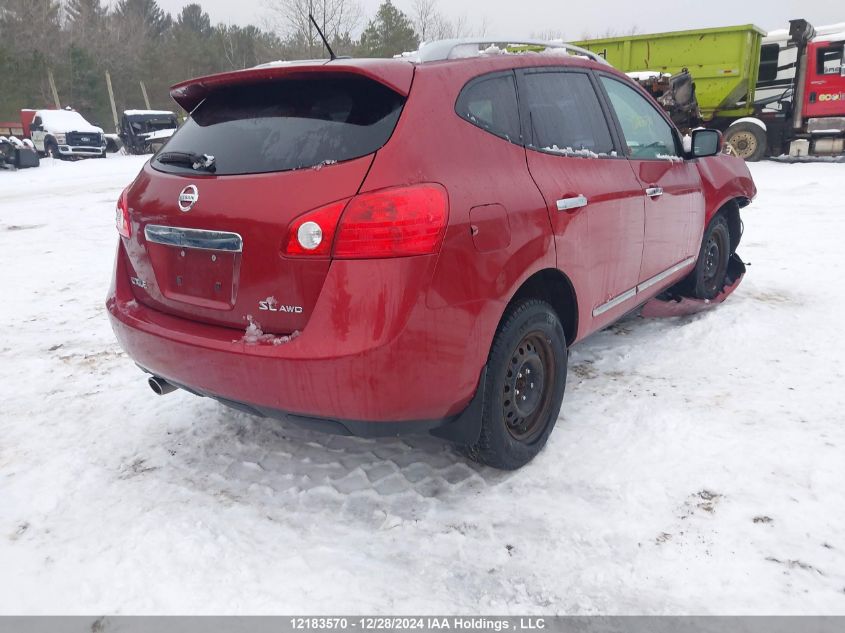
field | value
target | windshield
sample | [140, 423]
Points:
[287, 125]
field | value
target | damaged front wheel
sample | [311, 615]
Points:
[710, 274]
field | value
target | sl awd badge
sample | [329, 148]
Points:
[188, 198]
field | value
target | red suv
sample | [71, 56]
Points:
[374, 247]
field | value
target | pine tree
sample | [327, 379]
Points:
[84, 11]
[146, 13]
[391, 32]
[193, 18]
[85, 23]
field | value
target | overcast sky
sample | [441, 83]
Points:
[522, 17]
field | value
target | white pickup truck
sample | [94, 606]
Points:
[66, 134]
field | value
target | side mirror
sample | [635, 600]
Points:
[706, 143]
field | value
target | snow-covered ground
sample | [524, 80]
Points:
[698, 466]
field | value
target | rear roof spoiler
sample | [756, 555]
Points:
[394, 74]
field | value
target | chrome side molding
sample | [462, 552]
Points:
[194, 238]
[648, 283]
[628, 294]
[642, 287]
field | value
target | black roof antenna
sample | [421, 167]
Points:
[332, 56]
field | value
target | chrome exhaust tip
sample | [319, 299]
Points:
[160, 386]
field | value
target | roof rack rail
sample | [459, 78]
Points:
[442, 50]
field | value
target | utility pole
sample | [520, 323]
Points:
[111, 99]
[146, 98]
[53, 89]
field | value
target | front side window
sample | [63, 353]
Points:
[647, 134]
[490, 103]
[564, 114]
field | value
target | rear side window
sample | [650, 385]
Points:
[564, 113]
[647, 133]
[290, 124]
[490, 103]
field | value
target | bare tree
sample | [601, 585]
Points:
[608, 33]
[548, 35]
[431, 24]
[289, 18]
[426, 18]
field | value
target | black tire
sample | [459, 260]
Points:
[711, 270]
[747, 140]
[530, 340]
[51, 148]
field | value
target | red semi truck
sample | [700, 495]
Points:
[812, 120]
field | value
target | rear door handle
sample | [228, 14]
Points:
[568, 204]
[654, 192]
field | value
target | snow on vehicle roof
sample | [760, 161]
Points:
[465, 48]
[645, 75]
[823, 33]
[833, 37]
[67, 121]
[148, 113]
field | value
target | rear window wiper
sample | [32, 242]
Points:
[199, 162]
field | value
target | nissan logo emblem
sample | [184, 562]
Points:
[188, 198]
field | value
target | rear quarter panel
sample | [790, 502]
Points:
[486, 255]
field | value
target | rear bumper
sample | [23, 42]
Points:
[463, 428]
[350, 382]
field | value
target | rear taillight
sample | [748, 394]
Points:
[389, 223]
[121, 215]
[393, 223]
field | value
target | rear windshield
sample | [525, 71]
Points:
[288, 124]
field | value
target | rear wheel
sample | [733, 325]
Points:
[524, 386]
[747, 140]
[708, 278]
